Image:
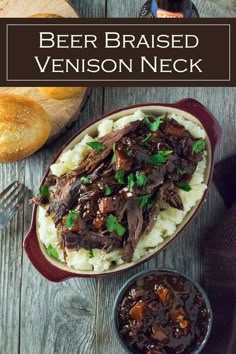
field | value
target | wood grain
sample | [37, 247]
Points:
[38, 317]
[10, 266]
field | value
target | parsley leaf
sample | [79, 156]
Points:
[44, 191]
[112, 224]
[120, 176]
[148, 136]
[131, 182]
[161, 157]
[141, 180]
[91, 255]
[96, 146]
[153, 126]
[85, 180]
[184, 186]
[108, 190]
[198, 146]
[114, 155]
[143, 200]
[52, 252]
[71, 218]
[120, 229]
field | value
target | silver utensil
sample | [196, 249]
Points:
[11, 199]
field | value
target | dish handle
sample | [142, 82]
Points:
[207, 119]
[37, 258]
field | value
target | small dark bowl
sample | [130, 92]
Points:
[143, 274]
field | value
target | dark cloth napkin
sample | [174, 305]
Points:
[219, 276]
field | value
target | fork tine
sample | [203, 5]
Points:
[10, 197]
[14, 209]
[12, 193]
[14, 200]
[6, 190]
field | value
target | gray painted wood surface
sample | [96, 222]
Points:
[74, 317]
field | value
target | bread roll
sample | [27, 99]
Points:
[62, 93]
[24, 127]
[45, 16]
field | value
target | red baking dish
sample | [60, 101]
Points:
[190, 109]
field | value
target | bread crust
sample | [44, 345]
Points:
[24, 127]
[62, 93]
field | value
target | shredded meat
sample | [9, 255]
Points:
[117, 193]
[170, 196]
[90, 240]
[108, 140]
[135, 224]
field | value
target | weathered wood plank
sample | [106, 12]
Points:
[90, 8]
[10, 267]
[216, 8]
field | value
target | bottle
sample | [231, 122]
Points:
[171, 8]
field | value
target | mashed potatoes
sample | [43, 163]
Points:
[166, 222]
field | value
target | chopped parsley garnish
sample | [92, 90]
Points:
[52, 252]
[120, 176]
[153, 126]
[85, 180]
[141, 180]
[71, 218]
[91, 255]
[148, 136]
[44, 191]
[131, 182]
[107, 190]
[184, 186]
[198, 146]
[130, 153]
[113, 225]
[161, 157]
[143, 201]
[114, 154]
[96, 146]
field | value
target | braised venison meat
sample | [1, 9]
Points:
[115, 195]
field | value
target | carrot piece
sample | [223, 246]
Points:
[137, 311]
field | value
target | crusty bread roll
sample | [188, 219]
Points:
[62, 93]
[45, 16]
[24, 127]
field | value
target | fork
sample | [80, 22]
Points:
[11, 199]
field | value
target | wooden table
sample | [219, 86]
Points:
[39, 317]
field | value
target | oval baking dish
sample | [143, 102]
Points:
[189, 109]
